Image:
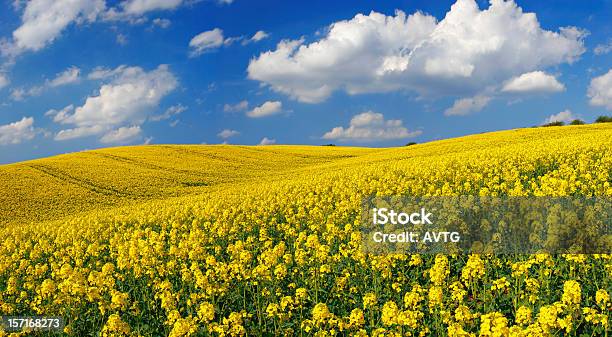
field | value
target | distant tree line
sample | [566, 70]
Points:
[600, 119]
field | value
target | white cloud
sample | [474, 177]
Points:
[565, 116]
[4, 81]
[213, 39]
[240, 106]
[269, 108]
[467, 51]
[19, 94]
[227, 133]
[259, 35]
[371, 126]
[206, 41]
[125, 101]
[60, 115]
[465, 106]
[603, 48]
[100, 73]
[121, 135]
[43, 21]
[600, 90]
[17, 132]
[535, 81]
[162, 23]
[139, 7]
[171, 111]
[122, 39]
[267, 141]
[225, 2]
[68, 76]
[79, 132]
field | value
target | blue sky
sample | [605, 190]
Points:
[85, 74]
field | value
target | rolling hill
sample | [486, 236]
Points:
[51, 188]
[195, 240]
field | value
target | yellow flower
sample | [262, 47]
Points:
[463, 314]
[47, 287]
[547, 317]
[523, 315]
[456, 330]
[356, 318]
[389, 313]
[301, 294]
[115, 327]
[571, 293]
[439, 271]
[119, 300]
[206, 312]
[320, 313]
[184, 327]
[602, 298]
[369, 300]
[413, 297]
[272, 309]
[500, 284]
[494, 325]
[473, 270]
[435, 297]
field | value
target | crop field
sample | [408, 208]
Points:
[206, 240]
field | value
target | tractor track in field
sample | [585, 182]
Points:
[63, 176]
[149, 166]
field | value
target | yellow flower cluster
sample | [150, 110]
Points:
[273, 246]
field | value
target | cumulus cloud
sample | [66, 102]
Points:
[43, 21]
[139, 7]
[134, 10]
[258, 36]
[17, 132]
[125, 101]
[122, 39]
[161, 23]
[122, 135]
[79, 132]
[467, 51]
[267, 141]
[603, 48]
[170, 112]
[68, 76]
[100, 73]
[60, 115]
[240, 106]
[269, 108]
[600, 91]
[227, 133]
[4, 81]
[535, 81]
[565, 116]
[212, 39]
[371, 126]
[465, 106]
[206, 41]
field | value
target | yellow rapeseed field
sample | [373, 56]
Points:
[233, 241]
